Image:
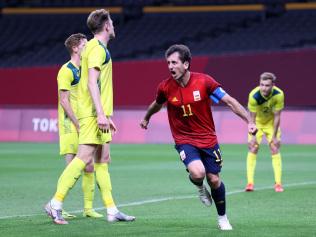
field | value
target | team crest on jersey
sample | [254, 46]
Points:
[182, 155]
[174, 99]
[196, 95]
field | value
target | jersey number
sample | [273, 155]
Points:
[187, 113]
[218, 156]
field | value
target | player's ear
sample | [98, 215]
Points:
[106, 26]
[186, 64]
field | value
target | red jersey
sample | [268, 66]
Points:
[189, 111]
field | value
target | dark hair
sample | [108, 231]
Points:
[73, 41]
[183, 50]
[96, 20]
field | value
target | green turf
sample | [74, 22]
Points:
[150, 183]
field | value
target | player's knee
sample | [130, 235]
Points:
[214, 181]
[89, 168]
[274, 148]
[253, 148]
[197, 173]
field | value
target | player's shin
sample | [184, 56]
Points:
[219, 197]
[68, 178]
[88, 189]
[277, 167]
[104, 184]
[251, 166]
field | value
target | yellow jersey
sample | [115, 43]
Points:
[67, 79]
[264, 107]
[95, 55]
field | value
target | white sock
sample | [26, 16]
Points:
[222, 217]
[112, 210]
[57, 205]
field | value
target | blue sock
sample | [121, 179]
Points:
[218, 196]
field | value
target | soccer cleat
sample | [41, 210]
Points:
[249, 188]
[120, 216]
[67, 215]
[223, 223]
[205, 196]
[56, 215]
[91, 213]
[278, 188]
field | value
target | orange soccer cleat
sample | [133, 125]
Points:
[249, 188]
[278, 188]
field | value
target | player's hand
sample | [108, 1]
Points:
[113, 128]
[144, 123]
[252, 128]
[103, 123]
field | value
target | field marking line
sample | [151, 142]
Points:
[167, 199]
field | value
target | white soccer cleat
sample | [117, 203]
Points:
[120, 216]
[56, 215]
[223, 223]
[205, 196]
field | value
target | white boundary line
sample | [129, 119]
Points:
[166, 199]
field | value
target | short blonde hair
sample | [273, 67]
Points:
[97, 19]
[268, 76]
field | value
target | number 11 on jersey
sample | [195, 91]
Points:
[185, 112]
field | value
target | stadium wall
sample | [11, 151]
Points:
[135, 82]
[40, 125]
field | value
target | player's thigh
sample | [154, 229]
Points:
[268, 131]
[86, 152]
[68, 143]
[103, 153]
[191, 158]
[90, 132]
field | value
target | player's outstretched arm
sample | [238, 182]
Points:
[153, 108]
[238, 109]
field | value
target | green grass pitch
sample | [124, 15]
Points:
[150, 182]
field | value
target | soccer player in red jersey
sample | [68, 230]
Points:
[188, 97]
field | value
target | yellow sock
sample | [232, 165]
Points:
[251, 166]
[68, 178]
[277, 167]
[88, 189]
[104, 183]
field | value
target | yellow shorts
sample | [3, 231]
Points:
[267, 131]
[68, 143]
[90, 132]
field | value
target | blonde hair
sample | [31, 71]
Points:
[97, 19]
[268, 76]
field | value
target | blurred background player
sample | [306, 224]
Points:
[68, 79]
[187, 95]
[95, 107]
[265, 104]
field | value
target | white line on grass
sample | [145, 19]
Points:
[167, 199]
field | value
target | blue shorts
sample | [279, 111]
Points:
[210, 157]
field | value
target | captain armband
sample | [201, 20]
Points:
[217, 95]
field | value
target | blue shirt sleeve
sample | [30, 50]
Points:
[217, 95]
